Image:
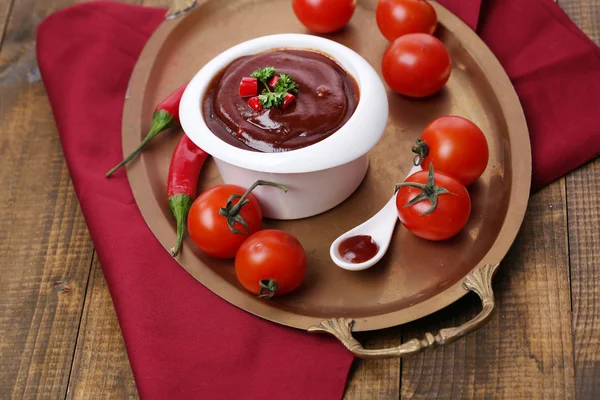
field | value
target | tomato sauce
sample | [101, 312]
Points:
[327, 97]
[358, 249]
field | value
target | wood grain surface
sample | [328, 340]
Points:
[583, 210]
[525, 351]
[59, 336]
[44, 245]
[100, 366]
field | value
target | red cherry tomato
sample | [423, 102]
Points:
[400, 17]
[324, 16]
[210, 230]
[270, 262]
[419, 213]
[455, 146]
[416, 65]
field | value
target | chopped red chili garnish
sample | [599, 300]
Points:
[289, 99]
[255, 103]
[248, 87]
[274, 81]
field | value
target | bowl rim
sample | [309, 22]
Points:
[352, 140]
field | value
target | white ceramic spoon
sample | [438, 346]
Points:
[380, 227]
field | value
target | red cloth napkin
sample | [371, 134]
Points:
[186, 343]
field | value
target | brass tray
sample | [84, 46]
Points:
[416, 277]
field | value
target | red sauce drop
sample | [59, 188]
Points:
[358, 249]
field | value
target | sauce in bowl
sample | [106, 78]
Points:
[326, 99]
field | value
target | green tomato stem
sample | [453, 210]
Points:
[430, 192]
[421, 150]
[268, 287]
[231, 211]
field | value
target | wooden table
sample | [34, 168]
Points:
[59, 336]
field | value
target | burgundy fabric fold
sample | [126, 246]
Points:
[555, 69]
[186, 343]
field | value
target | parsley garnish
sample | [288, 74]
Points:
[285, 83]
[264, 74]
[271, 99]
[275, 97]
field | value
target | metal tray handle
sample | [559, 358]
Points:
[179, 8]
[478, 281]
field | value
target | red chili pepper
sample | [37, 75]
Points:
[255, 103]
[289, 98]
[166, 114]
[184, 171]
[274, 81]
[248, 87]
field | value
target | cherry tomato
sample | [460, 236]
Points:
[270, 262]
[416, 65]
[455, 146]
[324, 16]
[433, 206]
[400, 17]
[210, 230]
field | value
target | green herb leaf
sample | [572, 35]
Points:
[271, 99]
[274, 98]
[285, 83]
[263, 74]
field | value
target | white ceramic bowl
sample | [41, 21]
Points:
[320, 176]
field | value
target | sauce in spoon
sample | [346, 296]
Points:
[358, 249]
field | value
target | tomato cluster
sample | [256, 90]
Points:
[416, 64]
[436, 205]
[224, 222]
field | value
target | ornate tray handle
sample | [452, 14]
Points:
[478, 281]
[180, 7]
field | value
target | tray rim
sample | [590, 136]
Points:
[519, 145]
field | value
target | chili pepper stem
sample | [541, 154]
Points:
[268, 287]
[180, 206]
[161, 120]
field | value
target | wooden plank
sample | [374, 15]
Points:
[39, 345]
[586, 14]
[5, 8]
[101, 369]
[46, 251]
[525, 351]
[583, 194]
[376, 379]
[44, 245]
